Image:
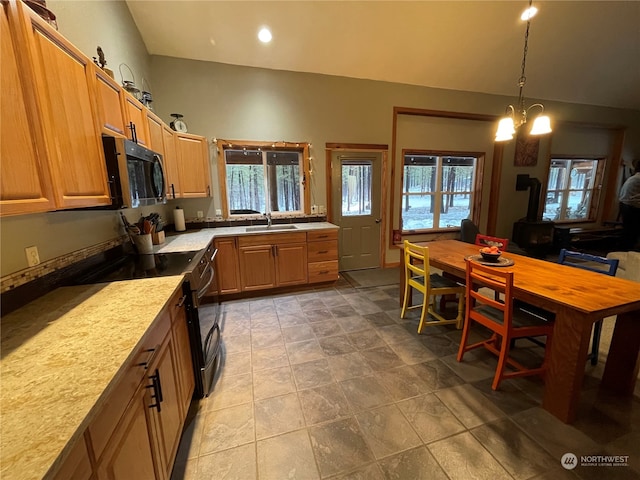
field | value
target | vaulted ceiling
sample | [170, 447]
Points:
[579, 51]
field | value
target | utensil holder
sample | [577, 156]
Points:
[143, 243]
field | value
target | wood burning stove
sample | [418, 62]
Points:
[532, 234]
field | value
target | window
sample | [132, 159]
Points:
[356, 187]
[264, 179]
[438, 190]
[573, 189]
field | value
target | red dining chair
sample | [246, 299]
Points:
[502, 319]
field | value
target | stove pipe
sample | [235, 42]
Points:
[534, 201]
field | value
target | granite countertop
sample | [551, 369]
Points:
[61, 355]
[197, 240]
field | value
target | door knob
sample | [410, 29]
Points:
[378, 220]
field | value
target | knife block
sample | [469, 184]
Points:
[157, 238]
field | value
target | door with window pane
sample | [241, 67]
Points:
[356, 180]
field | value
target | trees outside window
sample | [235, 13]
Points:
[261, 180]
[438, 190]
[573, 189]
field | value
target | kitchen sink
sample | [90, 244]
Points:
[267, 228]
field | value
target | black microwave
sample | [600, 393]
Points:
[136, 174]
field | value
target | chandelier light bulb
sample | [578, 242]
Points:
[264, 35]
[541, 125]
[506, 130]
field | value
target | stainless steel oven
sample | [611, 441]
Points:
[204, 328]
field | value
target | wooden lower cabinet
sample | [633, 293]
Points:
[322, 256]
[130, 452]
[77, 466]
[227, 266]
[291, 264]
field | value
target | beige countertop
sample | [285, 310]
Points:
[197, 240]
[59, 357]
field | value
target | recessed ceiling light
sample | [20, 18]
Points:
[264, 35]
[529, 13]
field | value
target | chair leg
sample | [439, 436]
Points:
[463, 340]
[460, 317]
[502, 363]
[425, 303]
[406, 300]
[597, 331]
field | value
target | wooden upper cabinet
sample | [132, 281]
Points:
[171, 163]
[135, 115]
[25, 181]
[64, 89]
[109, 99]
[154, 127]
[193, 160]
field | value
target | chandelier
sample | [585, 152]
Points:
[517, 116]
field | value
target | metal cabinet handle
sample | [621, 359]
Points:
[157, 390]
[181, 302]
[148, 361]
[173, 190]
[323, 251]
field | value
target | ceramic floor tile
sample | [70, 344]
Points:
[265, 321]
[430, 418]
[387, 431]
[509, 398]
[347, 366]
[411, 351]
[365, 392]
[278, 415]
[288, 306]
[342, 311]
[297, 333]
[189, 447]
[237, 363]
[403, 382]
[476, 365]
[326, 328]
[287, 456]
[269, 358]
[273, 382]
[469, 405]
[324, 404]
[462, 457]
[415, 464]
[226, 428]
[378, 319]
[237, 463]
[339, 447]
[266, 338]
[301, 352]
[185, 470]
[437, 375]
[353, 323]
[366, 339]
[320, 315]
[381, 358]
[336, 345]
[292, 319]
[231, 324]
[366, 472]
[312, 374]
[236, 343]
[311, 304]
[230, 390]
[555, 437]
[519, 455]
[395, 334]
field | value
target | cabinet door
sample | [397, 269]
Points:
[25, 181]
[256, 267]
[64, 85]
[135, 116]
[154, 127]
[170, 416]
[109, 99]
[227, 268]
[291, 264]
[131, 453]
[77, 465]
[171, 163]
[193, 161]
[184, 363]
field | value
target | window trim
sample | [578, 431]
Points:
[597, 187]
[477, 186]
[301, 147]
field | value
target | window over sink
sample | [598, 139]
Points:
[263, 177]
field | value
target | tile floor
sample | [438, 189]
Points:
[331, 383]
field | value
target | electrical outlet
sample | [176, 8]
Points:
[33, 258]
[200, 214]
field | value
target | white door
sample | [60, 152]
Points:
[356, 207]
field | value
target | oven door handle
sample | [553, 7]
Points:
[207, 284]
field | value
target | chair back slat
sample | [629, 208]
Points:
[586, 261]
[489, 241]
[416, 258]
[479, 276]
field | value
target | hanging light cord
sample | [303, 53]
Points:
[523, 78]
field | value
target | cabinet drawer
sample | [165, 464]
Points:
[322, 251]
[271, 239]
[322, 235]
[323, 271]
[103, 426]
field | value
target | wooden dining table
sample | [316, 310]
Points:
[578, 298]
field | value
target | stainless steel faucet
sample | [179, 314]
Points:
[268, 215]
